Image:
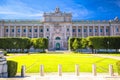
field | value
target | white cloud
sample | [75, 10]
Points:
[81, 12]
[118, 3]
[17, 9]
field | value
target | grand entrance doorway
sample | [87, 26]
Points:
[57, 46]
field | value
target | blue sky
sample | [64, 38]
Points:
[81, 9]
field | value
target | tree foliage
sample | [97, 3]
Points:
[23, 43]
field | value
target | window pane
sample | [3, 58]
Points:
[12, 30]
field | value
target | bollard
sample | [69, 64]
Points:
[60, 70]
[41, 70]
[77, 70]
[23, 71]
[94, 70]
[111, 73]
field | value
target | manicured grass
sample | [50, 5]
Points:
[68, 61]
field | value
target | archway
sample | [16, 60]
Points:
[57, 46]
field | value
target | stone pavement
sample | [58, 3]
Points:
[107, 56]
[65, 76]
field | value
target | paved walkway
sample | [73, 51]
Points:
[66, 76]
[107, 56]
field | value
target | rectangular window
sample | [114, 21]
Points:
[73, 30]
[84, 30]
[67, 29]
[68, 38]
[101, 30]
[79, 30]
[19, 30]
[30, 30]
[12, 30]
[117, 29]
[47, 29]
[47, 37]
[95, 30]
[24, 30]
[6, 30]
[106, 30]
[35, 30]
[41, 30]
[90, 30]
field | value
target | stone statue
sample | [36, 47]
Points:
[3, 65]
[57, 10]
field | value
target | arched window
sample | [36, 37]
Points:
[57, 38]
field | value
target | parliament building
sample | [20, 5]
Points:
[58, 27]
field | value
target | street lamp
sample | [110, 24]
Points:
[109, 34]
[108, 45]
[109, 27]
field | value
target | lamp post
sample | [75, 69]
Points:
[109, 34]
[109, 27]
[108, 45]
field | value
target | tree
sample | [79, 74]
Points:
[75, 44]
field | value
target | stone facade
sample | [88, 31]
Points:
[3, 66]
[58, 27]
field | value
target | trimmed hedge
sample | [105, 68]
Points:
[12, 68]
[118, 67]
[23, 43]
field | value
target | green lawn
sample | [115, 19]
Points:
[68, 61]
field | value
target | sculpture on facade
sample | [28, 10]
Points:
[3, 65]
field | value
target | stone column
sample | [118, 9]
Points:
[20, 31]
[2, 30]
[38, 29]
[82, 31]
[65, 31]
[9, 31]
[93, 30]
[50, 31]
[70, 30]
[114, 30]
[14, 31]
[99, 30]
[32, 31]
[104, 30]
[44, 31]
[26, 31]
[88, 30]
[111, 29]
[76, 31]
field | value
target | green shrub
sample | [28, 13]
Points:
[12, 68]
[118, 67]
[5, 53]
